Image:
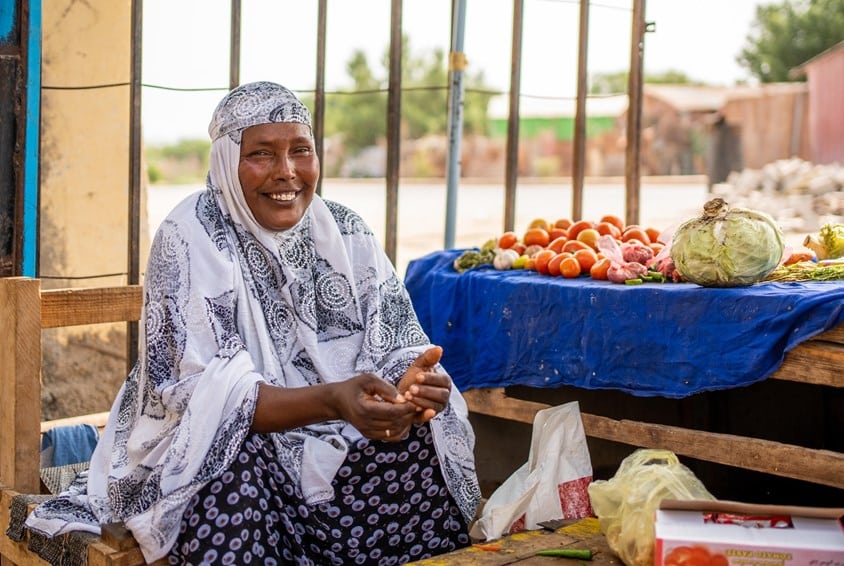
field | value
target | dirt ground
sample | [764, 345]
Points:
[81, 371]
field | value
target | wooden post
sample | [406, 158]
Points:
[632, 166]
[20, 383]
[579, 165]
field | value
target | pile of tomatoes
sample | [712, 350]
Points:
[570, 248]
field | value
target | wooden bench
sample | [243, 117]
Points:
[26, 310]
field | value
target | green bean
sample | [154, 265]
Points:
[581, 554]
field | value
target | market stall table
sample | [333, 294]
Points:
[519, 328]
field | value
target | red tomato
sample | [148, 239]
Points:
[652, 233]
[538, 236]
[574, 245]
[589, 236]
[586, 259]
[608, 228]
[563, 223]
[578, 227]
[614, 220]
[570, 267]
[554, 263]
[599, 269]
[557, 244]
[507, 240]
[541, 259]
[555, 233]
[635, 234]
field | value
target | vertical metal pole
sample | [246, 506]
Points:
[634, 115]
[234, 51]
[31, 185]
[393, 129]
[319, 88]
[511, 173]
[135, 149]
[579, 160]
[456, 67]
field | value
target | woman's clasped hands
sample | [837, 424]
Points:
[384, 412]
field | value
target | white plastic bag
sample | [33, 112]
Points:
[552, 484]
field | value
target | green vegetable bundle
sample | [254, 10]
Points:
[473, 258]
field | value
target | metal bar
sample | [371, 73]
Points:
[632, 165]
[393, 128]
[457, 64]
[579, 158]
[135, 151]
[319, 87]
[511, 172]
[31, 184]
[234, 50]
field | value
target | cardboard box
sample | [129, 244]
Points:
[721, 533]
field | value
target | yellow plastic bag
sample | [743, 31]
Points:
[626, 504]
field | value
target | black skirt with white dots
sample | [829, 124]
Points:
[391, 506]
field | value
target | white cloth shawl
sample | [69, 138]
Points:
[227, 305]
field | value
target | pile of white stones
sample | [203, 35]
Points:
[799, 195]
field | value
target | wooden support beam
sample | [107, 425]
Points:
[20, 383]
[818, 361]
[71, 307]
[797, 462]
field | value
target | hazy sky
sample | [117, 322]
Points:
[186, 45]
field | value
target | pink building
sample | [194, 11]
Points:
[825, 74]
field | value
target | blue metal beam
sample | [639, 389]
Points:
[457, 66]
[29, 267]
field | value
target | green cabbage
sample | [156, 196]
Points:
[727, 247]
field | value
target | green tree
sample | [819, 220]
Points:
[360, 114]
[786, 35]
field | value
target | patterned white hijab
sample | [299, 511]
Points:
[228, 305]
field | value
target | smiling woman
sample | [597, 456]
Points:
[286, 406]
[278, 173]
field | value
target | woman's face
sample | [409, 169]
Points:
[278, 172]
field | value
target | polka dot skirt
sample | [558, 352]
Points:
[391, 506]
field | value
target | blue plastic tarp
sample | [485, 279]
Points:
[501, 328]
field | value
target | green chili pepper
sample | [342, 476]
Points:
[636, 281]
[581, 554]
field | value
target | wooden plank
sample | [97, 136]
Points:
[832, 335]
[520, 548]
[101, 554]
[787, 460]
[770, 457]
[816, 361]
[16, 552]
[20, 383]
[96, 419]
[70, 307]
[117, 536]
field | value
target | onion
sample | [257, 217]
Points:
[727, 247]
